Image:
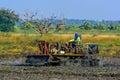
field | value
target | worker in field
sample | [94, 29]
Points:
[76, 38]
[75, 42]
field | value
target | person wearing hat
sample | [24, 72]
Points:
[76, 38]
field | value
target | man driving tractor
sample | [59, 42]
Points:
[75, 41]
[76, 38]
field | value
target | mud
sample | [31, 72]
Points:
[109, 69]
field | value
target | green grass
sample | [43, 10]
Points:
[5, 45]
[12, 43]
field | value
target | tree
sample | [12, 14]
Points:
[7, 20]
[101, 26]
[42, 26]
[114, 27]
[86, 25]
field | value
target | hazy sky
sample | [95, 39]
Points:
[73, 9]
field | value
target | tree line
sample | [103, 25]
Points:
[99, 26]
[10, 22]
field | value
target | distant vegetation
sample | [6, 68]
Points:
[7, 20]
[11, 22]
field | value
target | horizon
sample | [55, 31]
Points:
[97, 10]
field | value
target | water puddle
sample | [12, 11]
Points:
[10, 62]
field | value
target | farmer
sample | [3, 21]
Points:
[76, 38]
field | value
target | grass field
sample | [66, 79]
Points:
[23, 44]
[11, 43]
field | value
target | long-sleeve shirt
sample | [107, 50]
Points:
[77, 40]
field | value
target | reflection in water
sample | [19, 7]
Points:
[10, 62]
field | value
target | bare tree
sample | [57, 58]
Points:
[42, 26]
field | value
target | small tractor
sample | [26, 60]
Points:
[64, 54]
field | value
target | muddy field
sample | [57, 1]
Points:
[109, 69]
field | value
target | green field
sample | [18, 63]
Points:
[12, 43]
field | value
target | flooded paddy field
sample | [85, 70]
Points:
[109, 69]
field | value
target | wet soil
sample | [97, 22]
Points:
[109, 69]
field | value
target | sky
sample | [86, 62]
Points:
[71, 9]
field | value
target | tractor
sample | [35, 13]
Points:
[64, 54]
